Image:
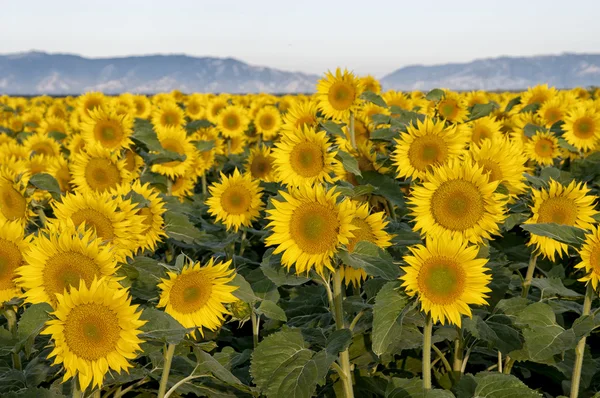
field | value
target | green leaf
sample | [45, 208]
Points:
[162, 326]
[333, 128]
[435, 95]
[34, 393]
[31, 323]
[498, 331]
[349, 162]
[532, 129]
[46, 182]
[374, 98]
[139, 200]
[244, 291]
[481, 110]
[179, 227]
[552, 287]
[385, 134]
[388, 317]
[562, 233]
[564, 144]
[204, 146]
[512, 103]
[206, 363]
[533, 108]
[283, 366]
[164, 157]
[372, 259]
[278, 274]
[413, 388]
[144, 135]
[57, 135]
[384, 186]
[194, 125]
[380, 118]
[271, 310]
[498, 385]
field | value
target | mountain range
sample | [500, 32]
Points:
[35, 72]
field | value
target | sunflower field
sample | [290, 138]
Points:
[349, 243]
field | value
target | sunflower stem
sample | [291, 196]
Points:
[243, 240]
[499, 362]
[76, 391]
[529, 275]
[97, 393]
[204, 187]
[255, 327]
[427, 352]
[169, 187]
[580, 349]
[11, 321]
[442, 357]
[164, 379]
[338, 311]
[351, 130]
[458, 352]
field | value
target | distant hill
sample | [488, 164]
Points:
[42, 73]
[504, 73]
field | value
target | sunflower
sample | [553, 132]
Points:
[268, 122]
[133, 162]
[537, 95]
[299, 116]
[52, 124]
[552, 111]
[114, 219]
[452, 108]
[194, 107]
[58, 111]
[75, 144]
[232, 121]
[89, 102]
[582, 128]
[338, 94]
[447, 277]
[559, 204]
[167, 116]
[94, 329]
[175, 139]
[58, 167]
[152, 211]
[196, 296]
[427, 144]
[14, 204]
[183, 186]
[60, 257]
[458, 200]
[399, 99]
[369, 228]
[303, 157]
[590, 260]
[98, 169]
[13, 245]
[236, 200]
[108, 129]
[260, 164]
[237, 145]
[543, 148]
[368, 110]
[141, 106]
[214, 107]
[41, 144]
[365, 155]
[476, 97]
[369, 83]
[484, 128]
[504, 162]
[308, 226]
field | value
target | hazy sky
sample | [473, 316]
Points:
[311, 36]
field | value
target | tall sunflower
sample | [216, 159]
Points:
[94, 328]
[236, 200]
[543, 148]
[114, 219]
[108, 129]
[427, 144]
[566, 205]
[309, 226]
[268, 122]
[98, 169]
[458, 200]
[582, 127]
[13, 245]
[303, 157]
[338, 94]
[60, 257]
[196, 297]
[447, 277]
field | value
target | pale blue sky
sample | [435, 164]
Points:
[312, 36]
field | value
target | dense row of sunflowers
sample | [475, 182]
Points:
[197, 193]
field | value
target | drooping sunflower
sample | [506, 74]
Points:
[543, 147]
[98, 169]
[566, 205]
[14, 203]
[41, 144]
[304, 157]
[13, 245]
[309, 226]
[484, 128]
[338, 94]
[427, 144]
[260, 164]
[582, 127]
[590, 257]
[447, 277]
[114, 219]
[299, 116]
[232, 121]
[452, 108]
[175, 139]
[60, 257]
[167, 116]
[369, 228]
[108, 129]
[152, 211]
[94, 328]
[268, 122]
[197, 296]
[236, 200]
[504, 162]
[458, 200]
